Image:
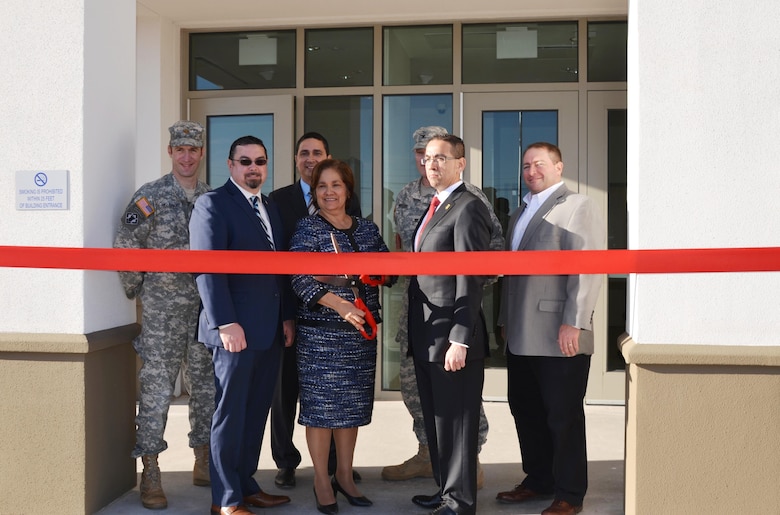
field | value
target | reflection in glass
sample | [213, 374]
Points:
[505, 134]
[242, 60]
[617, 230]
[520, 52]
[347, 123]
[222, 131]
[607, 47]
[417, 55]
[339, 57]
[402, 115]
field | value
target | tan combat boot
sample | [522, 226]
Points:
[200, 472]
[418, 465]
[152, 495]
[480, 475]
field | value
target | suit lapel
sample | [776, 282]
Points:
[545, 208]
[299, 201]
[244, 205]
[443, 210]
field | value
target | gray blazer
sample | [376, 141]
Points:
[534, 307]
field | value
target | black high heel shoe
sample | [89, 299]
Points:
[354, 501]
[327, 509]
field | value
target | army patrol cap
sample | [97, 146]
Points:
[424, 134]
[185, 133]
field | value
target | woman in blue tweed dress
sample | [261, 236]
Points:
[336, 365]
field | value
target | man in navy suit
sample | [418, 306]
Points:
[246, 320]
[295, 202]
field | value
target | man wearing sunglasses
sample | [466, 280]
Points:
[157, 218]
[246, 321]
[295, 202]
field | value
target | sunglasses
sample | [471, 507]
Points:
[245, 161]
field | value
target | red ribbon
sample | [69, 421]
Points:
[559, 262]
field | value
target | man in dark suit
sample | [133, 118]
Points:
[245, 322]
[548, 325]
[447, 333]
[295, 202]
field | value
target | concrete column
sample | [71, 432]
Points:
[67, 382]
[702, 383]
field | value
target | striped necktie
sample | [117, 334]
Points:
[310, 204]
[256, 206]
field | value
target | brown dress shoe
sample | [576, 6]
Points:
[230, 510]
[519, 494]
[562, 508]
[264, 500]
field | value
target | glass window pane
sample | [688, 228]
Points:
[617, 232]
[402, 115]
[505, 134]
[242, 60]
[339, 57]
[222, 131]
[347, 123]
[607, 42]
[417, 55]
[520, 52]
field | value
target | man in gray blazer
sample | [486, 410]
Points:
[548, 325]
[447, 331]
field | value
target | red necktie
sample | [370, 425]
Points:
[431, 209]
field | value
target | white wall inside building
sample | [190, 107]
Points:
[704, 119]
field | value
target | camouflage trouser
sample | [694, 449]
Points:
[166, 344]
[408, 379]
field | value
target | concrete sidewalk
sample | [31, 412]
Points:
[389, 440]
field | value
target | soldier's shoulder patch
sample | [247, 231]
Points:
[131, 217]
[146, 208]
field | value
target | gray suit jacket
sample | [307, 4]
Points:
[534, 307]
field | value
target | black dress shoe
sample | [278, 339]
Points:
[327, 509]
[443, 509]
[354, 501]
[429, 502]
[285, 478]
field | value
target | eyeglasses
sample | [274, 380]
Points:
[439, 158]
[245, 161]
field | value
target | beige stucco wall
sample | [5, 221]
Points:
[68, 409]
[702, 427]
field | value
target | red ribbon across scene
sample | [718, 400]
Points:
[763, 259]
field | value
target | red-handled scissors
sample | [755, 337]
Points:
[371, 281]
[368, 317]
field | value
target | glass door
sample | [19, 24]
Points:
[269, 118]
[496, 129]
[607, 142]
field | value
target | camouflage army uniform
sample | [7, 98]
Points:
[158, 218]
[411, 203]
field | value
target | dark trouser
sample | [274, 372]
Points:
[283, 409]
[450, 404]
[546, 396]
[245, 383]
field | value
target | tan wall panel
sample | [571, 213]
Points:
[43, 432]
[702, 438]
[68, 406]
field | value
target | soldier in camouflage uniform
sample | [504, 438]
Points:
[157, 217]
[411, 204]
